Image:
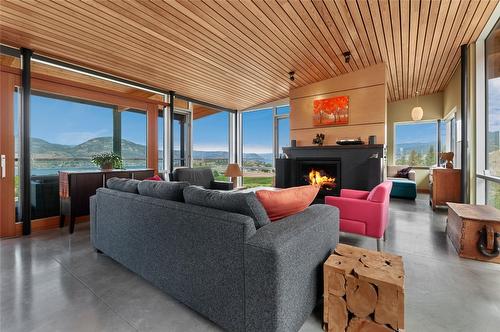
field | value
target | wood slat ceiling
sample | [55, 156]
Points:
[238, 53]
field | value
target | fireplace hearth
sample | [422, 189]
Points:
[324, 172]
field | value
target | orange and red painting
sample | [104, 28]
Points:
[331, 111]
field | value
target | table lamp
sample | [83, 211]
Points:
[233, 171]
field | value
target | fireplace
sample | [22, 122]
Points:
[324, 172]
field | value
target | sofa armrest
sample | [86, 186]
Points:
[411, 175]
[358, 194]
[221, 185]
[283, 268]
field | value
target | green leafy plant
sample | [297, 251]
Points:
[108, 160]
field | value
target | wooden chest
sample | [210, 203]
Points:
[465, 223]
[363, 291]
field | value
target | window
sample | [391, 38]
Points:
[65, 133]
[133, 139]
[492, 65]
[415, 143]
[282, 129]
[211, 140]
[180, 142]
[257, 132]
[448, 140]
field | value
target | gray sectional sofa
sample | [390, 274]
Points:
[219, 263]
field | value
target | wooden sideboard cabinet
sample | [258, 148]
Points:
[444, 186]
[75, 189]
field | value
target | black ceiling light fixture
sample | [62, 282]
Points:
[291, 75]
[347, 56]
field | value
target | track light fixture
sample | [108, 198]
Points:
[347, 56]
[291, 75]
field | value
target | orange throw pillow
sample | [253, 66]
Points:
[285, 202]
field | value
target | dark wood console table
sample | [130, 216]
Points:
[75, 189]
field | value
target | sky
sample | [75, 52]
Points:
[68, 122]
[420, 132]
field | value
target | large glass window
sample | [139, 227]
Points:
[283, 134]
[133, 139]
[65, 133]
[493, 116]
[180, 131]
[211, 140]
[415, 144]
[257, 131]
[448, 139]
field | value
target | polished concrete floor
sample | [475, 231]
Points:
[51, 281]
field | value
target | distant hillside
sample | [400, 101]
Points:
[42, 149]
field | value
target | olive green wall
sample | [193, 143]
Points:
[400, 111]
[451, 95]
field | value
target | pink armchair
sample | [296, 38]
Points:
[362, 212]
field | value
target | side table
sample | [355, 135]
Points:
[363, 291]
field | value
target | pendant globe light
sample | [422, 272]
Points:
[417, 113]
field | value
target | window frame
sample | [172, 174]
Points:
[482, 175]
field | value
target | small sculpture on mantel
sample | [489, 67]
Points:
[447, 157]
[320, 138]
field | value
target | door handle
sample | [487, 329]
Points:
[2, 166]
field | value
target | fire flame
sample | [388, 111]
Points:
[315, 178]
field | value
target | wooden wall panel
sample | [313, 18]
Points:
[7, 189]
[366, 90]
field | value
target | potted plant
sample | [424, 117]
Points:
[108, 161]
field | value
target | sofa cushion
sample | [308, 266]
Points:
[286, 202]
[242, 203]
[162, 189]
[123, 184]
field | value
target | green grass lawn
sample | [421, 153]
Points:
[251, 182]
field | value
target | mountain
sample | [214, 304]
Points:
[41, 149]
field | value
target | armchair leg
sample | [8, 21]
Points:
[379, 244]
[384, 235]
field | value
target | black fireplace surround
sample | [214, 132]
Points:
[353, 167]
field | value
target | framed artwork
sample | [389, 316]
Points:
[331, 111]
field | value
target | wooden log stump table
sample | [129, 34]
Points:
[363, 291]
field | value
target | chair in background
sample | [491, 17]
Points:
[199, 177]
[362, 212]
